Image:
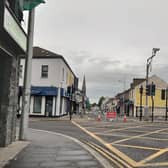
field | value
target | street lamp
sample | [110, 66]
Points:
[148, 65]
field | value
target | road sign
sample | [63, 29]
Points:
[111, 115]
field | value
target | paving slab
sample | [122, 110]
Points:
[9, 152]
[53, 151]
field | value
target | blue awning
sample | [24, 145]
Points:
[41, 91]
[44, 91]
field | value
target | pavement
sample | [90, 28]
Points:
[53, 150]
[11, 151]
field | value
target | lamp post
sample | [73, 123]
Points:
[148, 65]
[27, 79]
[27, 5]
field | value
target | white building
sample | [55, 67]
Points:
[51, 76]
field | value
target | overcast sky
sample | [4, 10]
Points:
[107, 40]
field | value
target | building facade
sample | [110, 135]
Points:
[129, 100]
[12, 44]
[52, 84]
[159, 98]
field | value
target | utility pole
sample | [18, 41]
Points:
[166, 104]
[27, 78]
[148, 65]
[141, 93]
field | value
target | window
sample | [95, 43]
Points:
[20, 71]
[67, 78]
[44, 71]
[163, 94]
[37, 104]
[62, 74]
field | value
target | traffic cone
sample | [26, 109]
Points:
[125, 118]
[98, 118]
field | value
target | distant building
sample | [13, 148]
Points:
[159, 98]
[129, 100]
[52, 86]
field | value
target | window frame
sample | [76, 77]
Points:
[44, 73]
[163, 94]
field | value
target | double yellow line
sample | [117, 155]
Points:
[128, 162]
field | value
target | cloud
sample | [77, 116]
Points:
[107, 40]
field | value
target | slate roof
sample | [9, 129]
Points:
[41, 53]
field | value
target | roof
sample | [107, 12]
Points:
[137, 81]
[160, 83]
[41, 53]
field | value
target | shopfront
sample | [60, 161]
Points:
[13, 43]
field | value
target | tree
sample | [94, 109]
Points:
[101, 100]
[88, 105]
[94, 104]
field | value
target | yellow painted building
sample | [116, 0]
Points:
[159, 98]
[70, 78]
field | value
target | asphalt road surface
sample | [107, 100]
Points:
[137, 144]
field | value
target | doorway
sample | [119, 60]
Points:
[48, 106]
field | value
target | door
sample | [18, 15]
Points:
[49, 106]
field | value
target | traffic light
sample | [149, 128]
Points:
[153, 88]
[148, 90]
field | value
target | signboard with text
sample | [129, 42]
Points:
[14, 30]
[12, 34]
[111, 115]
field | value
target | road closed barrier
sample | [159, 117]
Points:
[111, 115]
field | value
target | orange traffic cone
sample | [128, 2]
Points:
[125, 118]
[99, 118]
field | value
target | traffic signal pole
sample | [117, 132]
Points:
[152, 98]
[147, 76]
[166, 116]
[149, 62]
[141, 93]
[27, 78]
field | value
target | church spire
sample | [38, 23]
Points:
[84, 86]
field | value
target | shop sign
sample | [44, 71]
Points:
[14, 29]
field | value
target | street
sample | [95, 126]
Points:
[136, 144]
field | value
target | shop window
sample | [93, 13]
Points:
[44, 71]
[37, 104]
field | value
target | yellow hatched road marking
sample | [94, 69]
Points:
[138, 136]
[109, 146]
[163, 133]
[108, 157]
[125, 128]
[93, 126]
[154, 164]
[136, 131]
[137, 147]
[107, 134]
[153, 156]
[157, 139]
